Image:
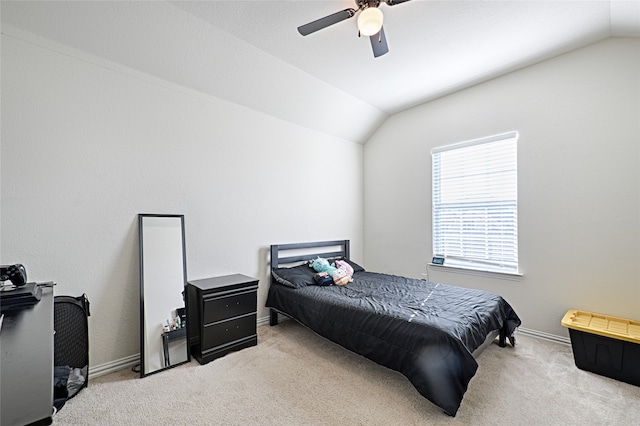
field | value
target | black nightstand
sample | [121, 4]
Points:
[221, 315]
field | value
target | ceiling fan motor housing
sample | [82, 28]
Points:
[363, 4]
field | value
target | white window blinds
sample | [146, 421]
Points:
[475, 204]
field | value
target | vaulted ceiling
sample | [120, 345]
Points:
[250, 53]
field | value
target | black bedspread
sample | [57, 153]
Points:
[426, 331]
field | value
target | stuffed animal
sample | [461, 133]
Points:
[341, 264]
[322, 265]
[323, 278]
[340, 277]
[345, 277]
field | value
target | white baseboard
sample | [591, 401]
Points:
[545, 336]
[263, 321]
[113, 366]
[130, 361]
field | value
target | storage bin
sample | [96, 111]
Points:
[605, 345]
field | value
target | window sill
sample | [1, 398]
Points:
[514, 276]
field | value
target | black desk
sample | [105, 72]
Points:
[26, 364]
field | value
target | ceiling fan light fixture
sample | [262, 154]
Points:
[370, 21]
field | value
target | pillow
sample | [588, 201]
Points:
[295, 277]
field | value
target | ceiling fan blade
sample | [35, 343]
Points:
[394, 2]
[379, 43]
[321, 23]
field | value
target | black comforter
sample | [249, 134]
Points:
[426, 331]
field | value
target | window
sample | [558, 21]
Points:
[475, 203]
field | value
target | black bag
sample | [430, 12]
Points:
[70, 347]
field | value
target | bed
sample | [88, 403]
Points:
[429, 332]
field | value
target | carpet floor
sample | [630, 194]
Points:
[294, 377]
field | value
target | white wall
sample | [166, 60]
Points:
[88, 144]
[579, 182]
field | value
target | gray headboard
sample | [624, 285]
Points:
[282, 254]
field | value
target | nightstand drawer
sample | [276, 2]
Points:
[220, 307]
[228, 331]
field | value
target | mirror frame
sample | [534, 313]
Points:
[143, 346]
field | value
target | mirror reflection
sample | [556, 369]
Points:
[163, 277]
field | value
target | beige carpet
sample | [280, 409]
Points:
[294, 377]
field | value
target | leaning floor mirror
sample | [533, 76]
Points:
[163, 277]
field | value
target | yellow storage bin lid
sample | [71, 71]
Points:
[603, 325]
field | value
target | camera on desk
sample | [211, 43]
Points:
[17, 274]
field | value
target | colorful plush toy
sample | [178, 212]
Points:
[323, 278]
[340, 277]
[344, 277]
[341, 264]
[322, 265]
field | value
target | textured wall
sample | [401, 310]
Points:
[578, 182]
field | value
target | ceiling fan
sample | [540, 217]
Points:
[369, 23]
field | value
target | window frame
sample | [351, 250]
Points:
[492, 204]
